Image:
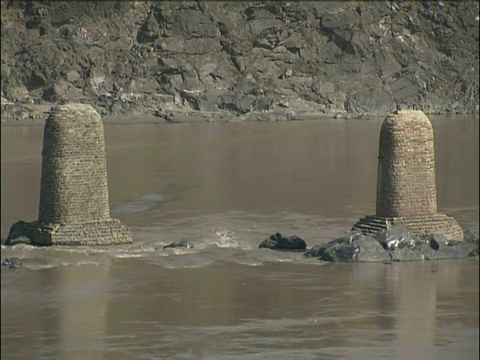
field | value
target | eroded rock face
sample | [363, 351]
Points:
[341, 59]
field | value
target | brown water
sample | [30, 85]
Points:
[226, 187]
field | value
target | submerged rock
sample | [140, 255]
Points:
[277, 241]
[21, 232]
[12, 263]
[184, 243]
[395, 244]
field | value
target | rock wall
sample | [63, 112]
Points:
[339, 59]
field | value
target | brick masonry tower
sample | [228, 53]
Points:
[74, 207]
[74, 185]
[406, 186]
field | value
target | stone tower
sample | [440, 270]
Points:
[74, 208]
[74, 185]
[406, 186]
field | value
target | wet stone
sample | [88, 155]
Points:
[278, 241]
[184, 243]
[394, 244]
[12, 263]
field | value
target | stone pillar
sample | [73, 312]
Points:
[406, 166]
[406, 185]
[74, 168]
[74, 208]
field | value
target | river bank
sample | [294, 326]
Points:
[240, 61]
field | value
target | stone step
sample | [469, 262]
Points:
[434, 224]
[367, 226]
[373, 221]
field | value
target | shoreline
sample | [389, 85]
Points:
[39, 114]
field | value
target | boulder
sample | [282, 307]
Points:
[21, 232]
[353, 246]
[183, 243]
[277, 241]
[395, 244]
[12, 263]
[472, 237]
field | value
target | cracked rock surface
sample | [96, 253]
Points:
[269, 61]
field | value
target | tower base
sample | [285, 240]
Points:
[101, 232]
[423, 226]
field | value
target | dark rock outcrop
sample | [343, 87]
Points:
[21, 233]
[394, 244]
[473, 237]
[183, 243]
[279, 242]
[12, 263]
[240, 59]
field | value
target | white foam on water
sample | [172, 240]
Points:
[232, 237]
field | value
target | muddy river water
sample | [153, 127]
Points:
[225, 187]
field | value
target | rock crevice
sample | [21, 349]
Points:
[343, 59]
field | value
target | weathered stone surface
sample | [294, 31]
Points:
[351, 247]
[241, 57]
[102, 232]
[471, 235]
[394, 244]
[406, 226]
[406, 184]
[74, 173]
[74, 207]
[277, 241]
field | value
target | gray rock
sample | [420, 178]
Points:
[471, 235]
[351, 247]
[73, 76]
[183, 243]
[396, 236]
[395, 244]
[12, 263]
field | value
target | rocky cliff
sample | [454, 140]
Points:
[244, 60]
